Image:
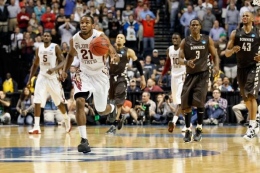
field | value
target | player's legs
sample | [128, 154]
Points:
[176, 89]
[40, 97]
[82, 121]
[250, 91]
[199, 99]
[57, 95]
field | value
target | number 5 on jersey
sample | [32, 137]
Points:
[45, 59]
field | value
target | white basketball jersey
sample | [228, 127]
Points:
[89, 63]
[48, 59]
[177, 69]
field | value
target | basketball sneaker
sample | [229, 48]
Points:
[250, 133]
[35, 130]
[67, 124]
[112, 116]
[121, 122]
[111, 130]
[197, 137]
[171, 126]
[84, 146]
[188, 136]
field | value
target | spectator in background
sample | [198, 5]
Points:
[174, 8]
[52, 115]
[16, 39]
[55, 8]
[148, 31]
[69, 6]
[247, 7]
[186, 18]
[66, 31]
[23, 20]
[25, 108]
[37, 43]
[126, 13]
[13, 12]
[200, 10]
[55, 37]
[152, 87]
[30, 31]
[27, 52]
[155, 57]
[226, 84]
[48, 20]
[217, 12]
[207, 4]
[257, 18]
[8, 85]
[5, 117]
[97, 23]
[208, 21]
[215, 108]
[216, 31]
[30, 7]
[60, 19]
[130, 29]
[93, 3]
[113, 27]
[4, 14]
[34, 23]
[133, 87]
[92, 11]
[39, 9]
[64, 49]
[237, 111]
[232, 19]
[78, 13]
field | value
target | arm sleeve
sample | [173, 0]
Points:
[139, 67]
[166, 66]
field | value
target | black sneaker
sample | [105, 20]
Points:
[112, 116]
[111, 130]
[188, 136]
[84, 146]
[197, 137]
[121, 122]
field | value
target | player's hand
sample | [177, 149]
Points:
[215, 71]
[191, 63]
[29, 83]
[142, 84]
[257, 57]
[50, 71]
[236, 49]
[114, 58]
[63, 76]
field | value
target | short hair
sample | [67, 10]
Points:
[197, 20]
[91, 18]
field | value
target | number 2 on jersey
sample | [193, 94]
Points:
[85, 54]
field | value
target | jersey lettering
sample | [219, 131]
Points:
[85, 54]
[44, 58]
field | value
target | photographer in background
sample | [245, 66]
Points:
[147, 107]
[5, 117]
[165, 109]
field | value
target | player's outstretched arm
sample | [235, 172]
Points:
[34, 66]
[131, 54]
[69, 59]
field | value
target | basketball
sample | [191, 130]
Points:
[99, 46]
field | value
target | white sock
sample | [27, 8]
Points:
[112, 108]
[252, 123]
[199, 126]
[36, 121]
[83, 131]
[175, 118]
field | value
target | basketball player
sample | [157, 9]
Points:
[245, 42]
[194, 53]
[93, 76]
[177, 73]
[119, 81]
[46, 56]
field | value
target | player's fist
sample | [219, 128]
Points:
[63, 76]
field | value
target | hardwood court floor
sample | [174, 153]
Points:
[137, 149]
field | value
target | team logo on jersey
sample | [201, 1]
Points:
[203, 42]
[94, 37]
[253, 35]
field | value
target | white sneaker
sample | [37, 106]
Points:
[67, 124]
[250, 133]
[184, 128]
[35, 130]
